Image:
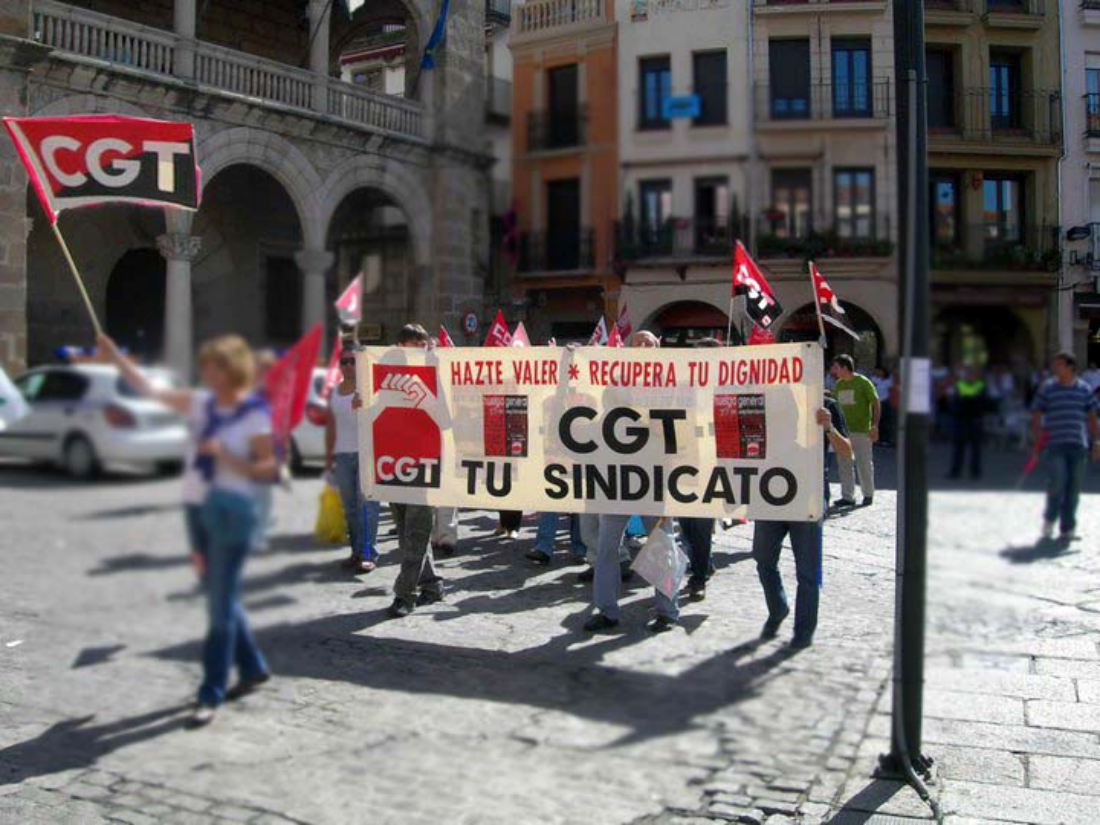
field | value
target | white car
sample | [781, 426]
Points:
[84, 417]
[307, 442]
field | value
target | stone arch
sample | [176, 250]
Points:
[403, 186]
[800, 324]
[685, 320]
[278, 157]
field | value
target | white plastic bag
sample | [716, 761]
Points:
[662, 563]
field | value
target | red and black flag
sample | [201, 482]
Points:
[748, 280]
[82, 160]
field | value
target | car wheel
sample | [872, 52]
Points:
[79, 458]
[297, 465]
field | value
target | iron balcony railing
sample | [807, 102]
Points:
[821, 244]
[562, 251]
[676, 238]
[498, 98]
[999, 246]
[1009, 115]
[1092, 112]
[556, 130]
[826, 101]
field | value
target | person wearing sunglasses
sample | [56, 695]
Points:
[342, 466]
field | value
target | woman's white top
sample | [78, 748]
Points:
[345, 422]
[236, 439]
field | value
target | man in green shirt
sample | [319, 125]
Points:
[859, 400]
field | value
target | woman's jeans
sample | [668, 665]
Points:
[1067, 468]
[605, 587]
[223, 532]
[361, 515]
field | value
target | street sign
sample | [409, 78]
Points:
[469, 324]
[678, 108]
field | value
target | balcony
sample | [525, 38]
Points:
[498, 99]
[1002, 117]
[1015, 14]
[1092, 116]
[951, 12]
[826, 102]
[996, 247]
[819, 245]
[817, 6]
[123, 46]
[546, 253]
[679, 240]
[537, 19]
[498, 12]
[552, 131]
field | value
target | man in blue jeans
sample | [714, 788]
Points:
[1066, 410]
[767, 542]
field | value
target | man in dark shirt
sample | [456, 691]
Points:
[767, 542]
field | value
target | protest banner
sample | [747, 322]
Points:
[727, 432]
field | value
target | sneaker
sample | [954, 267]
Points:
[428, 597]
[202, 716]
[868, 501]
[586, 576]
[512, 535]
[538, 557]
[599, 623]
[1048, 530]
[843, 502]
[498, 532]
[578, 559]
[697, 591]
[246, 686]
[662, 624]
[771, 626]
[400, 609]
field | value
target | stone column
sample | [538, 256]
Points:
[320, 18]
[315, 264]
[179, 250]
[183, 23]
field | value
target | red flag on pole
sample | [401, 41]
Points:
[445, 339]
[614, 339]
[599, 334]
[824, 292]
[519, 337]
[333, 376]
[287, 384]
[498, 335]
[349, 306]
[760, 336]
[622, 323]
[748, 280]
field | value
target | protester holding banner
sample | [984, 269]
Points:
[859, 400]
[342, 466]
[806, 543]
[414, 530]
[234, 453]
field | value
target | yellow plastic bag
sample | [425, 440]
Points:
[331, 527]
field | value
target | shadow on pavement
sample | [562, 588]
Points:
[136, 563]
[21, 476]
[73, 743]
[1042, 550]
[136, 511]
[864, 806]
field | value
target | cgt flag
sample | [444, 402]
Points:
[749, 281]
[88, 159]
[498, 335]
[519, 337]
[287, 385]
[599, 334]
[445, 339]
[349, 306]
[825, 297]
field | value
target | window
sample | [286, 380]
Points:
[29, 384]
[791, 203]
[854, 203]
[940, 65]
[1002, 208]
[1092, 99]
[1004, 91]
[851, 78]
[62, 386]
[945, 209]
[563, 105]
[563, 224]
[712, 214]
[709, 69]
[655, 197]
[655, 83]
[789, 70]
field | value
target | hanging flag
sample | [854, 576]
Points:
[760, 336]
[614, 339]
[749, 281]
[12, 405]
[333, 375]
[824, 296]
[81, 160]
[439, 33]
[599, 334]
[287, 384]
[498, 335]
[445, 339]
[519, 337]
[622, 323]
[349, 306]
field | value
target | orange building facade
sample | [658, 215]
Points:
[565, 165]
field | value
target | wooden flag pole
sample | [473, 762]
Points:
[77, 278]
[729, 324]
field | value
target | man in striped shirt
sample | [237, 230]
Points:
[1066, 410]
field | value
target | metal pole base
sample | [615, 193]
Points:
[890, 766]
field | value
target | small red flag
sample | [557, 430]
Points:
[349, 306]
[498, 335]
[760, 336]
[519, 337]
[823, 291]
[445, 339]
[287, 384]
[614, 339]
[748, 280]
[333, 375]
[623, 323]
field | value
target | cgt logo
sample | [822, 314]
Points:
[407, 442]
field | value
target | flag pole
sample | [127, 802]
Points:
[729, 324]
[76, 277]
[817, 305]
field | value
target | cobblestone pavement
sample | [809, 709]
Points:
[492, 708]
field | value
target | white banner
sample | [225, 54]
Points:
[718, 432]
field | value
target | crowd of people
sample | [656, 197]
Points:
[234, 462]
